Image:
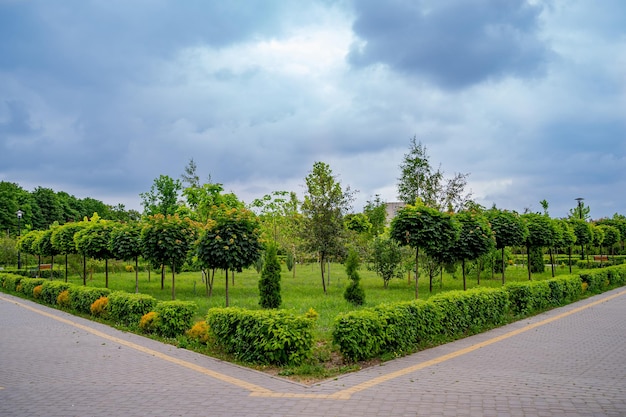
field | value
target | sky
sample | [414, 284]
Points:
[99, 98]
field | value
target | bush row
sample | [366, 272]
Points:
[397, 328]
[171, 318]
[262, 336]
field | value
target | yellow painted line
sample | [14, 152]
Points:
[346, 394]
[225, 378]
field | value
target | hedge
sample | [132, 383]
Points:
[81, 297]
[127, 308]
[174, 317]
[263, 336]
[50, 291]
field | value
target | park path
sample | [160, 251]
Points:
[570, 361]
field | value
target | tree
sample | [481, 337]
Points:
[63, 240]
[423, 227]
[540, 235]
[386, 259]
[26, 242]
[230, 242]
[376, 212]
[474, 240]
[354, 293]
[611, 236]
[269, 284]
[48, 208]
[125, 244]
[166, 240]
[44, 246]
[162, 197]
[509, 230]
[420, 181]
[325, 204]
[92, 241]
[566, 238]
[583, 232]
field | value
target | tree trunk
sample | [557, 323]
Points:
[162, 276]
[417, 271]
[136, 274]
[226, 287]
[322, 265]
[173, 281]
[463, 269]
[66, 267]
[503, 265]
[551, 260]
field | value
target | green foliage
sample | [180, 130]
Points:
[376, 213]
[537, 264]
[50, 291]
[583, 231]
[83, 297]
[508, 228]
[175, 317]
[10, 281]
[231, 242]
[325, 204]
[163, 196]
[354, 293]
[290, 261]
[359, 334]
[92, 241]
[128, 308]
[467, 312]
[149, 322]
[386, 259]
[597, 280]
[264, 337]
[529, 297]
[125, 241]
[269, 284]
[28, 284]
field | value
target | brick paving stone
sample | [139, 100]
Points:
[573, 366]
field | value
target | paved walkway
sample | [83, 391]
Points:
[570, 361]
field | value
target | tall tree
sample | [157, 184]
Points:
[376, 212]
[325, 204]
[420, 181]
[63, 240]
[162, 197]
[386, 259]
[583, 232]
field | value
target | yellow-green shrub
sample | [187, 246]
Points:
[199, 332]
[37, 291]
[63, 299]
[149, 322]
[100, 307]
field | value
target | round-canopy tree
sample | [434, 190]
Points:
[125, 244]
[93, 241]
[509, 230]
[426, 228]
[63, 240]
[566, 238]
[475, 239]
[583, 232]
[230, 242]
[166, 240]
[540, 235]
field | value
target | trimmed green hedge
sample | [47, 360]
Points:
[401, 327]
[81, 297]
[262, 336]
[10, 281]
[28, 284]
[50, 290]
[175, 317]
[127, 308]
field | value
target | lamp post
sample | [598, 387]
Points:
[19, 213]
[580, 215]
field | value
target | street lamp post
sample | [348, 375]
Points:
[19, 213]
[580, 215]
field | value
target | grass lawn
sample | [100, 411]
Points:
[301, 293]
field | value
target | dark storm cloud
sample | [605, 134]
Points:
[454, 43]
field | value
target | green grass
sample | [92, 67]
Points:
[301, 293]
